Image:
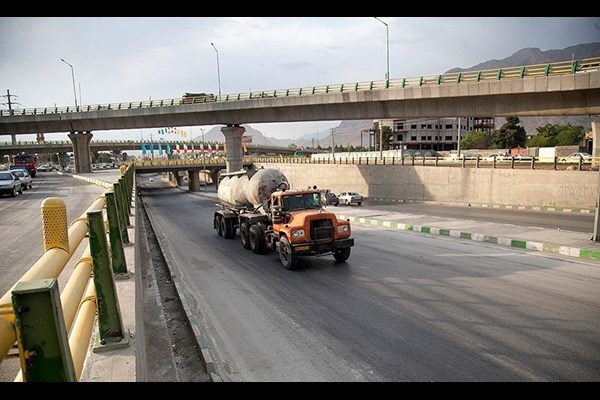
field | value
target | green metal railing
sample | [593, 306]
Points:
[552, 69]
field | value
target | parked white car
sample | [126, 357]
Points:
[575, 157]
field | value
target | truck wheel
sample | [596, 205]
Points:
[218, 226]
[245, 234]
[288, 260]
[257, 239]
[342, 255]
[227, 228]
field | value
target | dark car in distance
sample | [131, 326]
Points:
[330, 198]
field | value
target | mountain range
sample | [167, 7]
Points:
[348, 132]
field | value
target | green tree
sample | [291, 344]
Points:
[510, 135]
[551, 135]
[387, 137]
[570, 135]
[476, 140]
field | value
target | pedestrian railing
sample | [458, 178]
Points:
[52, 331]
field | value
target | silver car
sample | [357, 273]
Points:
[348, 198]
[10, 183]
[25, 177]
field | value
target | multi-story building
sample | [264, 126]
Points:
[440, 134]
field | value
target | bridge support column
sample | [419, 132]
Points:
[233, 139]
[596, 153]
[179, 179]
[194, 181]
[81, 151]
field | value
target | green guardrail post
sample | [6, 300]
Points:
[110, 324]
[41, 333]
[122, 213]
[114, 233]
[574, 65]
[126, 200]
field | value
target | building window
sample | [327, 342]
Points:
[448, 137]
[413, 138]
[429, 138]
[413, 126]
[399, 138]
[423, 126]
[428, 126]
[449, 126]
[400, 126]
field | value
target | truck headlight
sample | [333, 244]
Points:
[343, 228]
[298, 233]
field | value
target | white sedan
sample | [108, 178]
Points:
[350, 197]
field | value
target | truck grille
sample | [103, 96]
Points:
[321, 230]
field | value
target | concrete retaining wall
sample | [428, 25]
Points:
[532, 188]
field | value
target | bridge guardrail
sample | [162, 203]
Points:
[82, 294]
[520, 72]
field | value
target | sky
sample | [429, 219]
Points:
[123, 59]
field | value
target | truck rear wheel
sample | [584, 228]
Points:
[342, 255]
[287, 258]
[257, 239]
[218, 226]
[245, 234]
[227, 228]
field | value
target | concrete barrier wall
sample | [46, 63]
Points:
[532, 188]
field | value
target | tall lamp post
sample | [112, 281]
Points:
[218, 69]
[73, 76]
[387, 29]
[204, 163]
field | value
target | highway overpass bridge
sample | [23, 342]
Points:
[563, 88]
[66, 146]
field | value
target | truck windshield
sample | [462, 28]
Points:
[302, 202]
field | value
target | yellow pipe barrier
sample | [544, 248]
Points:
[71, 296]
[50, 265]
[79, 339]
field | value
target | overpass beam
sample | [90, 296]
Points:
[194, 180]
[81, 151]
[233, 140]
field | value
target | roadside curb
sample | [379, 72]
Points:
[497, 206]
[590, 254]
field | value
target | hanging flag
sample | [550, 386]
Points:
[185, 148]
[210, 151]
[225, 148]
[177, 148]
[143, 149]
[160, 149]
[243, 146]
[202, 148]
[169, 149]
[193, 153]
[217, 146]
[152, 149]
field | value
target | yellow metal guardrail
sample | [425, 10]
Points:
[78, 299]
[551, 69]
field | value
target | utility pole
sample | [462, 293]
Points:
[332, 145]
[10, 103]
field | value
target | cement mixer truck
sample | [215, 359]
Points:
[272, 217]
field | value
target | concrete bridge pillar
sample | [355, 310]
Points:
[233, 139]
[81, 151]
[179, 179]
[194, 180]
[595, 142]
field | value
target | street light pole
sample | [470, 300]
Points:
[387, 30]
[204, 163]
[73, 76]
[218, 69]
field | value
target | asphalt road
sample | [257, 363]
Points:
[405, 307]
[22, 243]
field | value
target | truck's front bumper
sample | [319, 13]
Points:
[314, 248]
